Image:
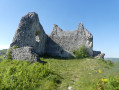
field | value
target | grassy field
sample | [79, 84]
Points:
[83, 74]
[1, 57]
[60, 74]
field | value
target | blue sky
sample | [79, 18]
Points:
[100, 17]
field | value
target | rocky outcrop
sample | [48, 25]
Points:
[100, 56]
[32, 40]
[96, 53]
[69, 41]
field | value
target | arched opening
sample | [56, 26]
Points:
[37, 36]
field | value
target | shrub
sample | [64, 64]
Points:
[8, 54]
[81, 52]
[24, 75]
[14, 47]
[112, 83]
[109, 62]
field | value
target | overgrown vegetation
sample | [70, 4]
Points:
[81, 52]
[110, 83]
[20, 75]
[8, 54]
[57, 74]
[14, 47]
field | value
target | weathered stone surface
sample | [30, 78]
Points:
[30, 33]
[53, 49]
[96, 53]
[69, 40]
[25, 53]
[100, 56]
[32, 40]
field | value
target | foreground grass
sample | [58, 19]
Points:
[59, 74]
[19, 75]
[85, 74]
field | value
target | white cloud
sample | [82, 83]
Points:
[4, 47]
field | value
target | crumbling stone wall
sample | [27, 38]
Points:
[70, 40]
[30, 33]
[32, 41]
[25, 53]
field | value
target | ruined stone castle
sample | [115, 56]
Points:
[32, 41]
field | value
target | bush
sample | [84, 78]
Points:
[24, 75]
[14, 47]
[8, 54]
[111, 83]
[109, 62]
[81, 52]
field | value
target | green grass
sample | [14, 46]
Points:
[1, 57]
[19, 75]
[59, 74]
[82, 74]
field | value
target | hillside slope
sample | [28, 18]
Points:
[60, 74]
[82, 74]
[3, 51]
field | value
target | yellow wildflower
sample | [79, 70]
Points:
[99, 71]
[104, 80]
